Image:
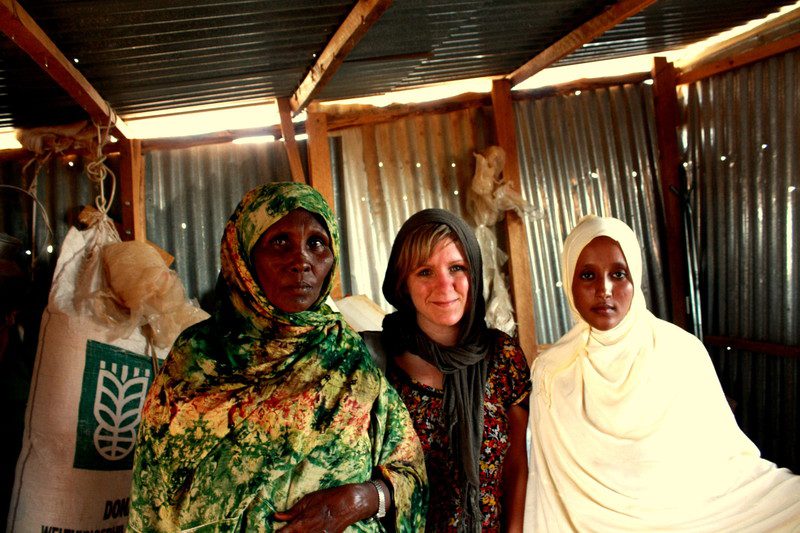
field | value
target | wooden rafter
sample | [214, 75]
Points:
[767, 39]
[698, 72]
[581, 35]
[355, 26]
[18, 26]
[360, 116]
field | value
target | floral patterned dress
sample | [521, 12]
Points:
[508, 383]
[255, 408]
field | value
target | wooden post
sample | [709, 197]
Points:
[519, 265]
[319, 170]
[289, 142]
[666, 111]
[131, 190]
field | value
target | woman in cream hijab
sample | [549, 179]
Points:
[630, 428]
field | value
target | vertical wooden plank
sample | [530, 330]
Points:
[666, 110]
[131, 190]
[289, 142]
[319, 156]
[319, 170]
[519, 264]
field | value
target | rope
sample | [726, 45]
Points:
[35, 199]
[97, 170]
[32, 193]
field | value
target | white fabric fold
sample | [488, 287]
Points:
[631, 430]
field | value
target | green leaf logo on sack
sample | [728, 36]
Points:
[115, 382]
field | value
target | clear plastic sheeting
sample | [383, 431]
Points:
[145, 292]
[488, 199]
[140, 290]
[127, 285]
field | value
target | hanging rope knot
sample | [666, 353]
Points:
[97, 170]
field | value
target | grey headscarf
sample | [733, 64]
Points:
[464, 365]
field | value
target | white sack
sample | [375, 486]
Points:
[74, 470]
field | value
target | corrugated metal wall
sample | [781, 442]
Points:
[61, 188]
[390, 171]
[582, 153]
[189, 195]
[192, 192]
[741, 140]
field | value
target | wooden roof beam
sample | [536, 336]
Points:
[581, 35]
[355, 26]
[29, 37]
[694, 73]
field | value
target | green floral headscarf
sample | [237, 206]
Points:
[255, 408]
[258, 210]
[269, 337]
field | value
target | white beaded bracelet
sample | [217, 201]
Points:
[381, 499]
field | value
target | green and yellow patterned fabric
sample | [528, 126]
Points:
[255, 408]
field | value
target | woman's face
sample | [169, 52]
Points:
[439, 289]
[601, 285]
[292, 260]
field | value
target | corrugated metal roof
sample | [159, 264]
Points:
[151, 55]
[455, 40]
[28, 97]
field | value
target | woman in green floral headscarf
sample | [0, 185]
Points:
[271, 415]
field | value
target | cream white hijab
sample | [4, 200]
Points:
[631, 430]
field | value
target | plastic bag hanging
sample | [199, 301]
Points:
[488, 198]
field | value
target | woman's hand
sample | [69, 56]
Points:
[330, 510]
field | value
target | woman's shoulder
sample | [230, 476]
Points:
[198, 331]
[505, 348]
[195, 342]
[676, 333]
[508, 365]
[680, 347]
[374, 343]
[200, 340]
[564, 347]
[680, 344]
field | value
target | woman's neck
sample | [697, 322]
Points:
[443, 335]
[419, 370]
